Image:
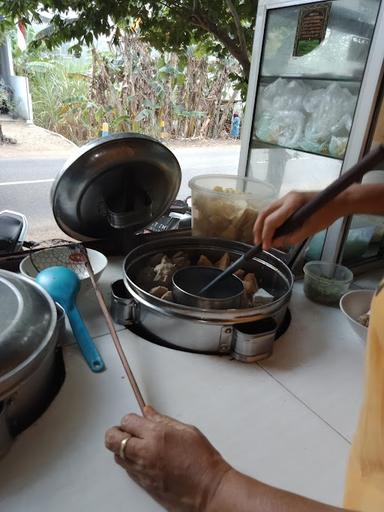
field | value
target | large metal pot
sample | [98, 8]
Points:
[29, 376]
[247, 333]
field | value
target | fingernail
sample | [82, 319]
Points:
[149, 410]
[108, 439]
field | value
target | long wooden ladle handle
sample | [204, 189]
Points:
[112, 330]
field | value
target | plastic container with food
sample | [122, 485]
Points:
[227, 206]
[326, 282]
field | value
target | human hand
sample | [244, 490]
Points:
[279, 211]
[172, 461]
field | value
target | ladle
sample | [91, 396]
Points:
[63, 285]
[296, 220]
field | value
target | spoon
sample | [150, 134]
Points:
[63, 285]
[296, 220]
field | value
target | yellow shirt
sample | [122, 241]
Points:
[365, 476]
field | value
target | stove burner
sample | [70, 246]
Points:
[141, 331]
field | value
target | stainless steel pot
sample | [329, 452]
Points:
[29, 331]
[187, 281]
[209, 330]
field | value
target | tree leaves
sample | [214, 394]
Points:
[167, 25]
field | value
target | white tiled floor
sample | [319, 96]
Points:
[320, 360]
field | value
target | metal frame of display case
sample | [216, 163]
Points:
[362, 120]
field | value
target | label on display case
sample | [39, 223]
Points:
[311, 28]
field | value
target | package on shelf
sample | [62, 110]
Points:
[292, 114]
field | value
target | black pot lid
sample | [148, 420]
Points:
[120, 182]
[27, 327]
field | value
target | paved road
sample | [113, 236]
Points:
[24, 187]
[25, 184]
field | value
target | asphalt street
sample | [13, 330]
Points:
[24, 187]
[25, 184]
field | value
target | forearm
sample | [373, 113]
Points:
[367, 199]
[244, 494]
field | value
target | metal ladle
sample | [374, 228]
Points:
[296, 220]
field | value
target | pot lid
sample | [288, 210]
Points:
[120, 182]
[27, 324]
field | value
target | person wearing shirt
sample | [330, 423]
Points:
[179, 467]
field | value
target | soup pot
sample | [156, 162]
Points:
[29, 373]
[237, 330]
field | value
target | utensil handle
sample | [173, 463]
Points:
[301, 215]
[112, 330]
[86, 343]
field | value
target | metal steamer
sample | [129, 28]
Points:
[118, 185]
[245, 333]
[32, 368]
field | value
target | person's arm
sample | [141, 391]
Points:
[244, 494]
[180, 469]
[368, 199]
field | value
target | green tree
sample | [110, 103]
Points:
[225, 27]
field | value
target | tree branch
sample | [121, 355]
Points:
[199, 20]
[239, 28]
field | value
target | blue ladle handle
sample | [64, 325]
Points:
[86, 343]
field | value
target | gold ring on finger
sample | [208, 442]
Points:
[123, 444]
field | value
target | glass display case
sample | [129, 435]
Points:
[313, 91]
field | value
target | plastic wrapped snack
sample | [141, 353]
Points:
[337, 146]
[291, 98]
[286, 128]
[298, 114]
[331, 111]
[280, 112]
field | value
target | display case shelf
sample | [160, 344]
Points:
[324, 78]
[260, 144]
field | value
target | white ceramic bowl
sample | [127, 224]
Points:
[354, 304]
[58, 256]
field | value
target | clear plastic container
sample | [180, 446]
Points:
[326, 282]
[227, 206]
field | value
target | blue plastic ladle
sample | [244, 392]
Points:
[63, 285]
